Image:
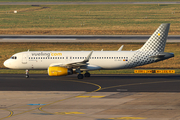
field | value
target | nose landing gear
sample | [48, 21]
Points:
[27, 73]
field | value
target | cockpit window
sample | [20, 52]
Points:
[13, 57]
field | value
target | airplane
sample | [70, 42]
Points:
[61, 63]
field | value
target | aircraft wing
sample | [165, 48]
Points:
[75, 64]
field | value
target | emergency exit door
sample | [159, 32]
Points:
[24, 58]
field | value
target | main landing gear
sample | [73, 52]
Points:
[27, 73]
[87, 74]
[80, 76]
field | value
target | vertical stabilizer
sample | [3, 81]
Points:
[157, 41]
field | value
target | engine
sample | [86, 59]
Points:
[59, 71]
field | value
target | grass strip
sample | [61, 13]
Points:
[88, 19]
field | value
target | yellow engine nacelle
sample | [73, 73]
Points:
[58, 71]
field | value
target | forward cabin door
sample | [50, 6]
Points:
[24, 58]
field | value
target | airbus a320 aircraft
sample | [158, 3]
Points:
[60, 63]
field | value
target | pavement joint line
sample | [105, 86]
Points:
[127, 118]
[10, 113]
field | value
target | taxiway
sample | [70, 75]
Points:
[100, 97]
[82, 38]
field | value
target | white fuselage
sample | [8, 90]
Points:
[44, 59]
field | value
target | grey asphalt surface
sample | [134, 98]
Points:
[81, 38]
[81, 3]
[108, 83]
[100, 97]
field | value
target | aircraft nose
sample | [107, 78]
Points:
[6, 63]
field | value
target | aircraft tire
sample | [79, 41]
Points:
[87, 74]
[80, 76]
[27, 76]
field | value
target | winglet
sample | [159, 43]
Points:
[121, 48]
[88, 57]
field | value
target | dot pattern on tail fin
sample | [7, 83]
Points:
[155, 44]
[157, 41]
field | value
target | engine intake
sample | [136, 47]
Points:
[59, 71]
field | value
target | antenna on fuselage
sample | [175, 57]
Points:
[28, 50]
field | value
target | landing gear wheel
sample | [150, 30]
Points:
[87, 74]
[80, 76]
[27, 76]
[27, 73]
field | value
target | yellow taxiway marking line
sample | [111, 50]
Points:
[10, 113]
[65, 113]
[90, 96]
[40, 108]
[99, 88]
[97, 96]
[127, 118]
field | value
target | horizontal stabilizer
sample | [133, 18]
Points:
[162, 56]
[157, 56]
